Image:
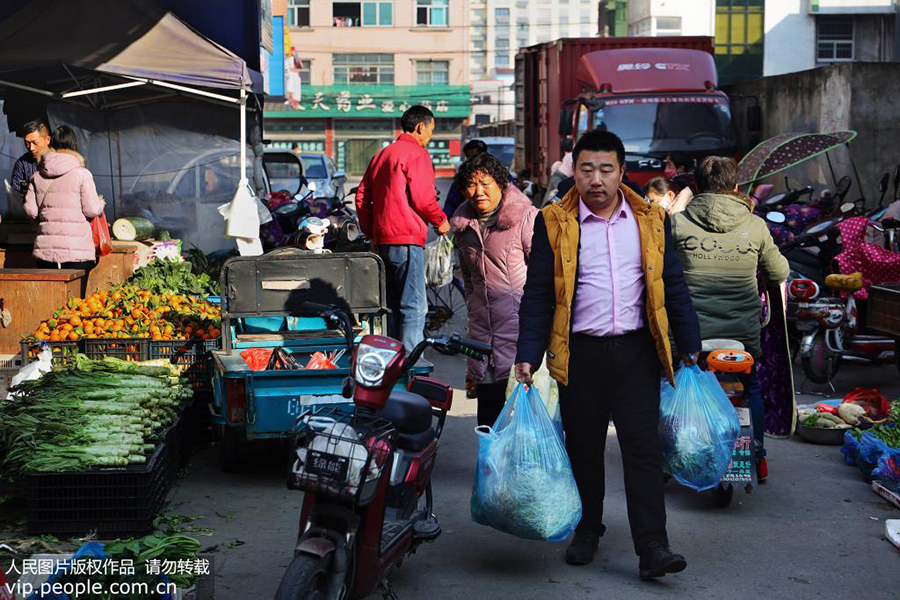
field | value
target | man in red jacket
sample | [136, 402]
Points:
[395, 200]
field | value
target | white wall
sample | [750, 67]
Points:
[790, 37]
[698, 17]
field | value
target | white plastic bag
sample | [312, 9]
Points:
[35, 370]
[439, 262]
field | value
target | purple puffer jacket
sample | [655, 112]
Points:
[494, 267]
[63, 197]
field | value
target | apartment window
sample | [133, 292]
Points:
[478, 44]
[585, 16]
[544, 17]
[501, 61]
[432, 72]
[522, 26]
[479, 15]
[367, 14]
[501, 16]
[298, 13]
[668, 25]
[564, 21]
[363, 69]
[523, 4]
[305, 72]
[739, 40]
[432, 13]
[501, 43]
[522, 42]
[834, 39]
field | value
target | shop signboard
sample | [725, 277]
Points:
[377, 102]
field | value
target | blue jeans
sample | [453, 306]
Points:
[754, 400]
[405, 292]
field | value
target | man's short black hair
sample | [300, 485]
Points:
[35, 126]
[478, 145]
[64, 139]
[717, 175]
[413, 116]
[683, 160]
[481, 163]
[598, 140]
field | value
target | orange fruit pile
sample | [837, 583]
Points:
[129, 312]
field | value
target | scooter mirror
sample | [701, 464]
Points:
[847, 207]
[311, 186]
[776, 217]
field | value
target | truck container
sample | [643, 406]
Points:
[659, 94]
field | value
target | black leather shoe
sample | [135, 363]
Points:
[583, 548]
[658, 559]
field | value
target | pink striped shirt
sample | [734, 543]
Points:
[609, 297]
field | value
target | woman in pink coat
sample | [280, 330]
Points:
[492, 231]
[63, 198]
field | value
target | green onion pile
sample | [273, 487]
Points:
[93, 413]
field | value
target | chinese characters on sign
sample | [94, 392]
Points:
[345, 102]
[741, 468]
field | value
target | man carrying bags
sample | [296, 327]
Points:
[603, 286]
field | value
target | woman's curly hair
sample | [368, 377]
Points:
[481, 163]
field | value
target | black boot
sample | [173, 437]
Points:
[657, 559]
[583, 548]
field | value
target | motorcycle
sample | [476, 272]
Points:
[366, 474]
[830, 329]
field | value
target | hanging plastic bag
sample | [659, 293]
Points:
[523, 483]
[101, 235]
[698, 427]
[439, 261]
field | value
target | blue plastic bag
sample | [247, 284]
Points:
[90, 550]
[868, 453]
[851, 444]
[888, 469]
[698, 427]
[523, 483]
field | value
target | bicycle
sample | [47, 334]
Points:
[446, 306]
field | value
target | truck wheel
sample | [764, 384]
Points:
[820, 360]
[230, 445]
[306, 578]
[722, 495]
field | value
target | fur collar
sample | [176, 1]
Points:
[512, 207]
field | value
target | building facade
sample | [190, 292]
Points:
[805, 34]
[671, 17]
[360, 65]
[498, 28]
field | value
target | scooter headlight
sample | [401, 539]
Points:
[371, 363]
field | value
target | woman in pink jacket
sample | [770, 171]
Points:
[63, 198]
[493, 231]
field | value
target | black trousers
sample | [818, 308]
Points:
[618, 376]
[491, 398]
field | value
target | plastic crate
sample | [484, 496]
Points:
[111, 502]
[63, 352]
[132, 349]
[884, 308]
[10, 364]
[193, 354]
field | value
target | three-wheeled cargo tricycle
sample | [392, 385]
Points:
[262, 299]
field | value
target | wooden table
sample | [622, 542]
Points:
[111, 270]
[31, 295]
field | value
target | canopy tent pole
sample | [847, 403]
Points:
[243, 137]
[862, 194]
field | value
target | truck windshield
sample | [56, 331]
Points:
[503, 152]
[660, 124]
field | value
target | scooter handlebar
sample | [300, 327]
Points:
[469, 347]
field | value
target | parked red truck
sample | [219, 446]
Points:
[658, 94]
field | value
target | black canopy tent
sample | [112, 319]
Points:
[111, 56]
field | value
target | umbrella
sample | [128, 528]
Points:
[787, 150]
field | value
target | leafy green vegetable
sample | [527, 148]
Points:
[210, 264]
[167, 277]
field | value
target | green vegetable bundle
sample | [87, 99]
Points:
[890, 435]
[161, 548]
[103, 413]
[167, 277]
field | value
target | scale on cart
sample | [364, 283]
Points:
[262, 299]
[727, 359]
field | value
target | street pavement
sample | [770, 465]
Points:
[815, 530]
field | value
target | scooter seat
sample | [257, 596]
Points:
[410, 413]
[845, 283]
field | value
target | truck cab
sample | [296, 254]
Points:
[657, 100]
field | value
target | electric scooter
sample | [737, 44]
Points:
[366, 474]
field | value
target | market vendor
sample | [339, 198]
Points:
[37, 141]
